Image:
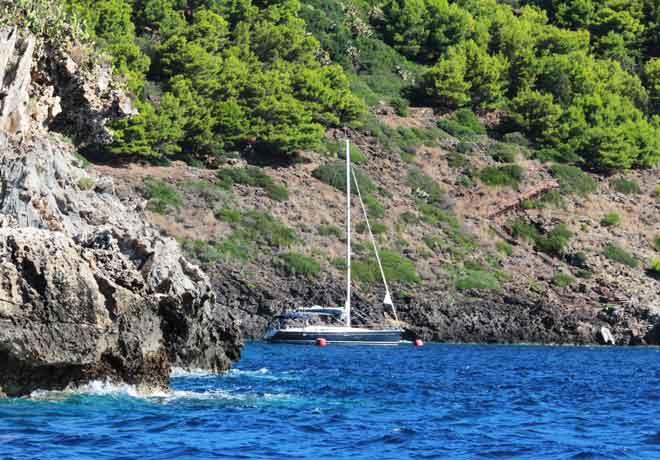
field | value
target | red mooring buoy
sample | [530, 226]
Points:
[321, 342]
[418, 343]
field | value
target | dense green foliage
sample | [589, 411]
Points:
[576, 76]
[580, 79]
[462, 123]
[214, 76]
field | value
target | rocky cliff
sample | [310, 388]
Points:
[88, 289]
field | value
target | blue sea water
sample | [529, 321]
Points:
[303, 402]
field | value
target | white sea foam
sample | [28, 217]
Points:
[100, 388]
[106, 388]
[248, 373]
[180, 372]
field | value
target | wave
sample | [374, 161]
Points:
[248, 373]
[116, 390]
[180, 372]
[100, 388]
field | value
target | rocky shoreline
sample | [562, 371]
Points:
[88, 289]
[436, 316]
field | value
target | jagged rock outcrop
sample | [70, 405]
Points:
[87, 288]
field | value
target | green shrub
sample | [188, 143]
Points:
[656, 243]
[334, 174]
[552, 198]
[562, 280]
[278, 192]
[462, 123]
[209, 192]
[397, 269]
[433, 242]
[227, 249]
[503, 153]
[656, 191]
[578, 259]
[517, 138]
[378, 228]
[529, 204]
[626, 186]
[256, 228]
[261, 227]
[400, 106]
[507, 175]
[465, 147]
[504, 247]
[573, 180]
[402, 140]
[620, 255]
[521, 229]
[330, 230]
[253, 177]
[554, 241]
[228, 215]
[374, 208]
[425, 188]
[457, 161]
[339, 263]
[474, 278]
[338, 149]
[654, 267]
[161, 195]
[295, 264]
[611, 219]
[436, 216]
[85, 183]
[464, 181]
[408, 217]
[584, 273]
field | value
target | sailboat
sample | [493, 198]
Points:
[338, 334]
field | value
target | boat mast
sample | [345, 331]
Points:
[347, 309]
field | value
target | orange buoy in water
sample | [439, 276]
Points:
[321, 342]
[418, 343]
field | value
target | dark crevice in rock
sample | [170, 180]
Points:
[108, 293]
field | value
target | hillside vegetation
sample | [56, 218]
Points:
[580, 79]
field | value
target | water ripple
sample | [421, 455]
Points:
[441, 401]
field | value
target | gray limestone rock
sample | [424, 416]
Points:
[88, 289]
